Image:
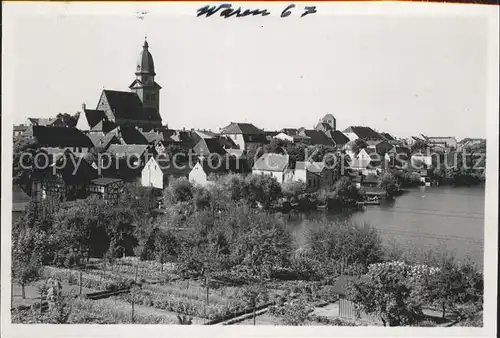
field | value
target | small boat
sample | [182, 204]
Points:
[321, 207]
[372, 202]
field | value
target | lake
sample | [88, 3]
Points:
[425, 217]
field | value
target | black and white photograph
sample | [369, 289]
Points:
[249, 169]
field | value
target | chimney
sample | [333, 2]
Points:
[84, 106]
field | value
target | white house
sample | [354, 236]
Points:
[275, 165]
[314, 174]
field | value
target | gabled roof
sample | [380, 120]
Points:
[242, 128]
[122, 150]
[271, 162]
[60, 137]
[153, 136]
[94, 116]
[103, 126]
[318, 137]
[206, 147]
[103, 141]
[387, 136]
[338, 137]
[227, 142]
[364, 132]
[124, 105]
[314, 167]
[205, 134]
[131, 135]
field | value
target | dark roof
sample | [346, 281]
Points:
[271, 162]
[366, 133]
[74, 172]
[94, 116]
[104, 126]
[387, 136]
[124, 105]
[318, 137]
[340, 286]
[105, 181]
[60, 137]
[206, 147]
[131, 135]
[338, 137]
[103, 141]
[170, 168]
[227, 142]
[242, 128]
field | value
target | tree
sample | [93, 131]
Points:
[389, 184]
[264, 189]
[165, 245]
[202, 198]
[292, 190]
[393, 291]
[419, 146]
[254, 151]
[23, 152]
[294, 313]
[68, 120]
[344, 192]
[458, 287]
[252, 295]
[358, 145]
[179, 190]
[140, 200]
[339, 247]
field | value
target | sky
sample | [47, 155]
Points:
[401, 74]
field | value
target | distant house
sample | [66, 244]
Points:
[19, 129]
[441, 142]
[66, 178]
[62, 138]
[244, 134]
[338, 138]
[271, 164]
[108, 189]
[158, 172]
[368, 160]
[380, 146]
[317, 137]
[293, 138]
[207, 146]
[125, 161]
[327, 123]
[45, 122]
[315, 175]
[365, 133]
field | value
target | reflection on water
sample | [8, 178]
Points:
[425, 217]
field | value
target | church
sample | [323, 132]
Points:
[140, 107]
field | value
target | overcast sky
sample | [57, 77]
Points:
[404, 75]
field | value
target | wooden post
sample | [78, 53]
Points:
[136, 272]
[254, 314]
[133, 299]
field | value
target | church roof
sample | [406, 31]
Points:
[209, 146]
[124, 105]
[145, 64]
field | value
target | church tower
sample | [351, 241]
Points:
[145, 86]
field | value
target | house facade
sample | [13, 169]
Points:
[315, 175]
[244, 134]
[275, 165]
